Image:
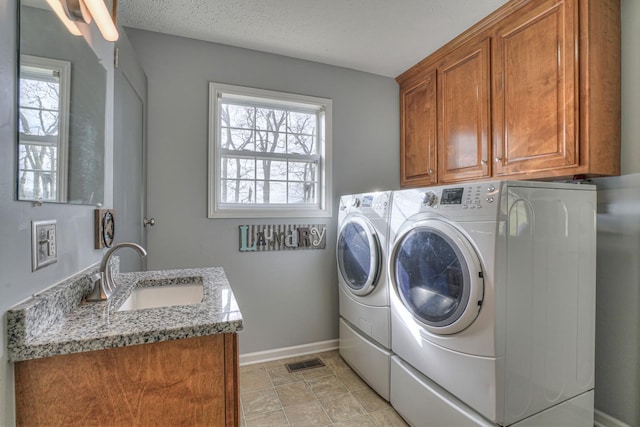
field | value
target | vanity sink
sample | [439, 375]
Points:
[191, 316]
[164, 296]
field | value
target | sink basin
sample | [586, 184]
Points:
[163, 296]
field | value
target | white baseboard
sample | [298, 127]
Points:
[603, 420]
[286, 352]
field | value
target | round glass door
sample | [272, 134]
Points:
[358, 253]
[437, 275]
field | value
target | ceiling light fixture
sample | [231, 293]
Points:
[86, 10]
[103, 19]
[62, 16]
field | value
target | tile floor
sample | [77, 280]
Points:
[332, 395]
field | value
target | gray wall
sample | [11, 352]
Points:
[287, 298]
[75, 223]
[618, 298]
[630, 158]
[618, 254]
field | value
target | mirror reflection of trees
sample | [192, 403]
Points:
[269, 155]
[41, 132]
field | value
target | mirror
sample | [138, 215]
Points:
[61, 112]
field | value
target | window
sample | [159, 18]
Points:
[269, 153]
[43, 122]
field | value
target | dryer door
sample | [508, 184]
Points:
[359, 255]
[437, 275]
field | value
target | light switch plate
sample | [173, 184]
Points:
[44, 248]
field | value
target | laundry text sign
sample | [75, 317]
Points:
[279, 237]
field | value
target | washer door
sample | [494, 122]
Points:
[438, 276]
[359, 255]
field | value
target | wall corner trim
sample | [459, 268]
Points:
[604, 420]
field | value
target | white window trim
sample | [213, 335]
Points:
[64, 70]
[274, 211]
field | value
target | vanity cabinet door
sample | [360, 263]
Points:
[418, 129]
[192, 381]
[464, 113]
[535, 98]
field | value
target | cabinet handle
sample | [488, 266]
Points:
[498, 159]
[483, 162]
[430, 171]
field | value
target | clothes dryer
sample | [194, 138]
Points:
[492, 300]
[365, 326]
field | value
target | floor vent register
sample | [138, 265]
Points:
[304, 365]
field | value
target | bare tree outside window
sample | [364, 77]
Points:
[38, 121]
[269, 153]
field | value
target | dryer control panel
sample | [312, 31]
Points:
[474, 196]
[377, 203]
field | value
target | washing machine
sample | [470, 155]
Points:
[361, 251]
[493, 303]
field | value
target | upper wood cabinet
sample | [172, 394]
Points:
[535, 89]
[530, 92]
[464, 113]
[418, 161]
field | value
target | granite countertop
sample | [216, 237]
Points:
[58, 321]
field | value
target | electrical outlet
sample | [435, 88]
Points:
[44, 249]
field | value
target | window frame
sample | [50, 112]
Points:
[275, 99]
[63, 68]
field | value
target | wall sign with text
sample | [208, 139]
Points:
[280, 237]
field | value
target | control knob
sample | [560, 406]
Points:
[355, 203]
[430, 199]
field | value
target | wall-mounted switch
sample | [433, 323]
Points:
[44, 250]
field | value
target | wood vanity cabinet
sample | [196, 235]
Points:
[191, 381]
[530, 92]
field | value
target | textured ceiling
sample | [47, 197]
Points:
[383, 37]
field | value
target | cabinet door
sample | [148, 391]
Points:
[535, 88]
[418, 132]
[464, 113]
[189, 382]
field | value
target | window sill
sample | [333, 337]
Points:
[270, 213]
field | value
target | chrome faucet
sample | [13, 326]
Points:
[104, 285]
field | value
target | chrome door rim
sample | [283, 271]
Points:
[471, 305]
[375, 256]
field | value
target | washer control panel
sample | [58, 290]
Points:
[469, 196]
